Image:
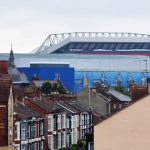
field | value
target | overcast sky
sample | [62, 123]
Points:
[27, 23]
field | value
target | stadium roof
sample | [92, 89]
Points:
[77, 42]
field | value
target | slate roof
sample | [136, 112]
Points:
[67, 107]
[119, 95]
[115, 96]
[78, 106]
[17, 77]
[53, 106]
[23, 111]
[41, 104]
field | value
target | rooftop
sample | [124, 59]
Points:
[119, 95]
[23, 111]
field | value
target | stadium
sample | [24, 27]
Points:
[108, 58]
[96, 43]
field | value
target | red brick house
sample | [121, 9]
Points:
[6, 112]
[29, 131]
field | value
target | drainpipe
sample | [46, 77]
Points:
[89, 98]
[109, 106]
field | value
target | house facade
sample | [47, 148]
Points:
[29, 130]
[6, 113]
[65, 123]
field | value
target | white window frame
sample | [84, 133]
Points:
[63, 139]
[35, 146]
[17, 131]
[72, 121]
[17, 146]
[59, 122]
[68, 122]
[23, 145]
[41, 128]
[50, 123]
[28, 131]
[67, 140]
[59, 140]
[23, 130]
[63, 121]
[51, 141]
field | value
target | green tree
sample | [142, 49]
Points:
[61, 90]
[46, 88]
[119, 88]
[81, 144]
[55, 87]
[74, 147]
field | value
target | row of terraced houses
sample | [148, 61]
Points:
[49, 125]
[43, 125]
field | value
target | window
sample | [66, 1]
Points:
[74, 137]
[69, 122]
[41, 145]
[82, 119]
[59, 140]
[32, 130]
[24, 147]
[59, 121]
[23, 130]
[29, 147]
[115, 106]
[28, 131]
[75, 121]
[41, 128]
[35, 146]
[68, 141]
[63, 139]
[50, 142]
[72, 121]
[50, 124]
[88, 119]
[17, 147]
[63, 121]
[120, 106]
[35, 130]
[16, 131]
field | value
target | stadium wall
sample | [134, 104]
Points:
[65, 75]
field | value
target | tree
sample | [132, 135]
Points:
[81, 145]
[61, 90]
[55, 87]
[46, 88]
[74, 147]
[119, 88]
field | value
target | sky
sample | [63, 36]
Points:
[27, 23]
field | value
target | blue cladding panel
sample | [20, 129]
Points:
[110, 78]
[73, 81]
[66, 75]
